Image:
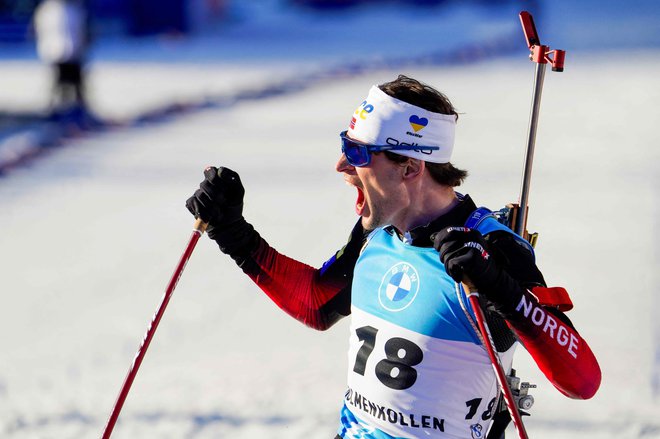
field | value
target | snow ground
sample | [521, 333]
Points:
[92, 232]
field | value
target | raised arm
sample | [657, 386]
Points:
[316, 297]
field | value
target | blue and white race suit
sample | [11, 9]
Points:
[417, 367]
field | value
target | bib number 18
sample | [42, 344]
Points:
[396, 370]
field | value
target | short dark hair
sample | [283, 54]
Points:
[416, 93]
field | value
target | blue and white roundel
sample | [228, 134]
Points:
[399, 287]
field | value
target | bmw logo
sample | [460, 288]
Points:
[399, 287]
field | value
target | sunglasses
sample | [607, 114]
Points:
[359, 154]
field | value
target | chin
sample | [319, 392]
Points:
[370, 223]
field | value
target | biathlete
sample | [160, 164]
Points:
[417, 367]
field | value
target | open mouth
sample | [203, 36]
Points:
[359, 203]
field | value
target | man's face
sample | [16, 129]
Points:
[380, 189]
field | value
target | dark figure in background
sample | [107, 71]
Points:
[62, 41]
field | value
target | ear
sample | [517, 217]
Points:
[413, 168]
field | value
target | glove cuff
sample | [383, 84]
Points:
[504, 293]
[238, 239]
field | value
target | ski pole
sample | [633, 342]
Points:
[198, 230]
[541, 55]
[510, 401]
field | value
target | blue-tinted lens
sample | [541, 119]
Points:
[356, 153]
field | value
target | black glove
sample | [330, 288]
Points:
[464, 253]
[219, 199]
[219, 203]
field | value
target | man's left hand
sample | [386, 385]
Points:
[463, 252]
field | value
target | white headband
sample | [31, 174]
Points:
[383, 120]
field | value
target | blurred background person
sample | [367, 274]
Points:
[61, 29]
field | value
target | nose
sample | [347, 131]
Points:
[343, 165]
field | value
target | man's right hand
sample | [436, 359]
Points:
[219, 199]
[219, 203]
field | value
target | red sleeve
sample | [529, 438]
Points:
[295, 287]
[559, 351]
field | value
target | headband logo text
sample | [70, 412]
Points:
[364, 109]
[394, 142]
